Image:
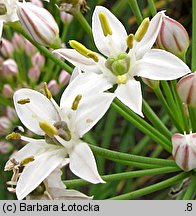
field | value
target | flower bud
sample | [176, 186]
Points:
[53, 87]
[184, 150]
[64, 77]
[7, 91]
[186, 89]
[38, 60]
[9, 67]
[34, 73]
[11, 114]
[6, 48]
[5, 125]
[18, 42]
[65, 17]
[39, 23]
[37, 2]
[173, 37]
[30, 49]
[5, 147]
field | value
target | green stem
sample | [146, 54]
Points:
[194, 35]
[190, 192]
[153, 188]
[192, 116]
[42, 49]
[154, 119]
[135, 8]
[142, 125]
[152, 7]
[129, 157]
[124, 175]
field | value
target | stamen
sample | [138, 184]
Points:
[141, 31]
[130, 39]
[23, 101]
[76, 102]
[63, 130]
[105, 24]
[48, 128]
[47, 91]
[27, 161]
[83, 50]
[3, 9]
[13, 136]
[122, 79]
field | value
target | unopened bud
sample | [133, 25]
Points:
[186, 89]
[38, 60]
[53, 87]
[29, 48]
[39, 23]
[9, 67]
[5, 147]
[184, 150]
[66, 17]
[34, 73]
[7, 91]
[64, 77]
[5, 125]
[37, 2]
[18, 42]
[173, 37]
[6, 48]
[11, 114]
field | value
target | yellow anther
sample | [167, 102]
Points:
[48, 128]
[83, 50]
[76, 102]
[13, 136]
[23, 101]
[105, 24]
[47, 91]
[141, 31]
[130, 39]
[122, 79]
[26, 161]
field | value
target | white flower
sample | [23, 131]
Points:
[184, 150]
[82, 104]
[7, 12]
[121, 67]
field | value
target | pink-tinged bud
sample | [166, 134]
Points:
[30, 49]
[34, 73]
[18, 42]
[173, 37]
[5, 147]
[6, 48]
[64, 77]
[38, 60]
[11, 114]
[151, 83]
[7, 91]
[39, 23]
[37, 2]
[186, 89]
[66, 17]
[184, 150]
[9, 67]
[5, 125]
[53, 87]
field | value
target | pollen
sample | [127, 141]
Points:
[130, 39]
[23, 101]
[105, 24]
[142, 29]
[76, 102]
[47, 92]
[13, 136]
[48, 128]
[122, 79]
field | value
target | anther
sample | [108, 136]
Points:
[23, 101]
[83, 50]
[48, 128]
[130, 39]
[3, 9]
[47, 91]
[76, 102]
[13, 136]
[141, 31]
[105, 24]
[26, 161]
[122, 79]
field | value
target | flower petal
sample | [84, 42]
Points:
[83, 164]
[77, 71]
[160, 65]
[40, 108]
[85, 84]
[131, 95]
[91, 111]
[35, 172]
[110, 45]
[151, 35]
[1, 28]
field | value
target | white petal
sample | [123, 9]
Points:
[77, 71]
[86, 64]
[91, 111]
[35, 172]
[131, 95]
[1, 28]
[151, 35]
[113, 44]
[83, 164]
[160, 65]
[86, 84]
[40, 108]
